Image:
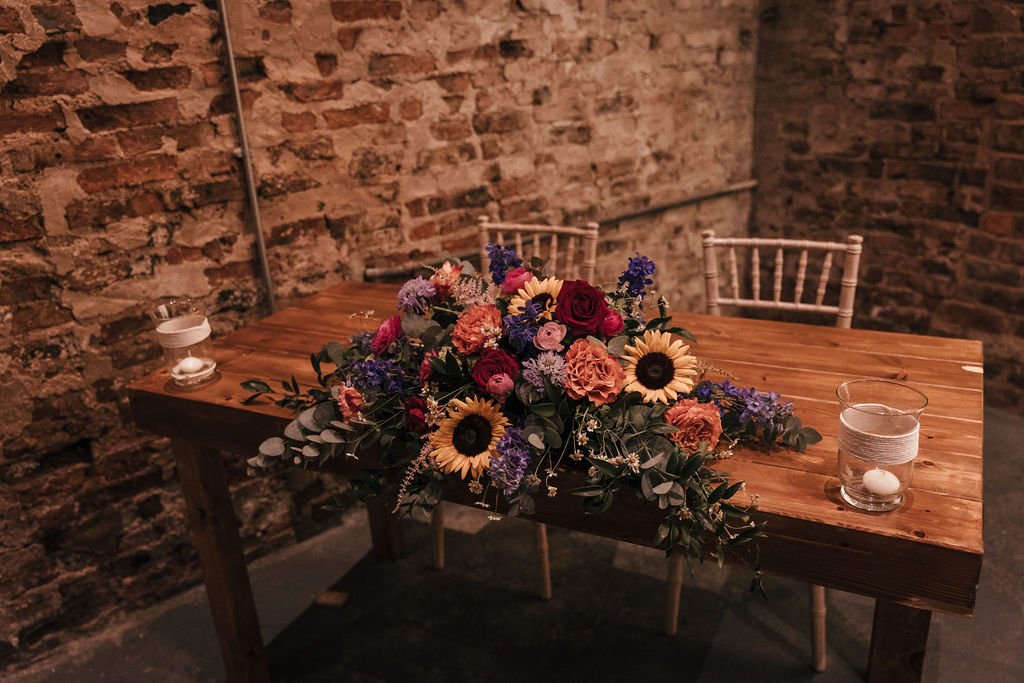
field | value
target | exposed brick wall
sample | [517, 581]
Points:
[903, 121]
[380, 130]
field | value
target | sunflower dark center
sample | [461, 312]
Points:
[472, 435]
[655, 370]
[543, 300]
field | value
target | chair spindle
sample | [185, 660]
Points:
[570, 259]
[553, 260]
[755, 265]
[734, 273]
[826, 270]
[801, 272]
[519, 244]
[777, 289]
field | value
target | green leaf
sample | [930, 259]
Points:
[552, 438]
[536, 439]
[588, 491]
[273, 447]
[335, 352]
[661, 535]
[681, 332]
[617, 345]
[416, 325]
[663, 488]
[527, 505]
[605, 467]
[544, 409]
[294, 432]
[257, 386]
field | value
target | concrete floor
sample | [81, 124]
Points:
[479, 620]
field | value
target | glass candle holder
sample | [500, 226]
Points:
[184, 334]
[879, 424]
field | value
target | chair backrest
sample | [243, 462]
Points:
[848, 283]
[578, 248]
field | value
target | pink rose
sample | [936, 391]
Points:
[549, 337]
[499, 386]
[387, 334]
[612, 324]
[350, 401]
[515, 279]
[494, 362]
[425, 370]
[697, 422]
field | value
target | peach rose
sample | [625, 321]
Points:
[696, 422]
[350, 401]
[475, 327]
[592, 374]
[444, 278]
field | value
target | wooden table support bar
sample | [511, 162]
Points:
[899, 636]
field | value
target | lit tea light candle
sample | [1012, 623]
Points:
[189, 365]
[881, 482]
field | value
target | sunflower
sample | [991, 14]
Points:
[659, 368]
[543, 292]
[467, 438]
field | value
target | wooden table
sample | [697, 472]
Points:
[924, 557]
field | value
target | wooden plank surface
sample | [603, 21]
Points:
[797, 492]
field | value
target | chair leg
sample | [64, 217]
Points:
[818, 644]
[543, 562]
[437, 535]
[676, 564]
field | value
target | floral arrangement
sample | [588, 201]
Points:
[504, 383]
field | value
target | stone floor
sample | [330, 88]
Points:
[331, 612]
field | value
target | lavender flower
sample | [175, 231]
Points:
[415, 296]
[637, 276]
[548, 365]
[381, 375]
[503, 259]
[514, 456]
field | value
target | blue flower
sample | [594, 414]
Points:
[361, 342]
[637, 276]
[503, 259]
[375, 376]
[509, 466]
[415, 296]
[521, 328]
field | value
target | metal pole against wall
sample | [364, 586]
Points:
[243, 151]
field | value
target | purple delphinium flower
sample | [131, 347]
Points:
[508, 467]
[415, 296]
[503, 259]
[521, 328]
[548, 365]
[637, 276]
[380, 375]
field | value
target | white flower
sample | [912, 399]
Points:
[633, 461]
[552, 491]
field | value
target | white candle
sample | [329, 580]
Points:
[189, 365]
[881, 482]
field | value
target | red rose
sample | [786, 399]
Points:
[581, 307]
[494, 362]
[612, 324]
[389, 332]
[416, 414]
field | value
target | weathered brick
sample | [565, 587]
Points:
[282, 184]
[113, 116]
[128, 173]
[46, 83]
[326, 63]
[378, 112]
[162, 78]
[97, 49]
[499, 122]
[410, 109]
[365, 9]
[298, 122]
[451, 129]
[49, 121]
[10, 21]
[996, 52]
[347, 37]
[50, 54]
[277, 11]
[158, 53]
[161, 12]
[400, 64]
[289, 233]
[903, 111]
[313, 92]
[57, 17]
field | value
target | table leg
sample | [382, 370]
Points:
[215, 535]
[384, 531]
[899, 636]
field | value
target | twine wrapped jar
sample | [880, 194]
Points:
[184, 334]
